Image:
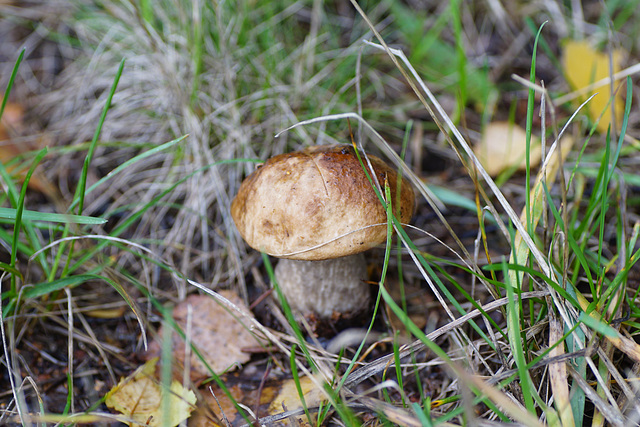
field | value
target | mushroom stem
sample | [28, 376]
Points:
[324, 287]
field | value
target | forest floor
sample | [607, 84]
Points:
[129, 296]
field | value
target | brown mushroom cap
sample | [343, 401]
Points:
[316, 204]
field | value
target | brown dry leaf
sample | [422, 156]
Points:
[503, 145]
[141, 398]
[220, 410]
[11, 125]
[214, 410]
[11, 120]
[583, 66]
[558, 376]
[218, 336]
[625, 344]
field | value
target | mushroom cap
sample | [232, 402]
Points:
[316, 204]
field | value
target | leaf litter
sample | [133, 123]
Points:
[143, 399]
[583, 65]
[218, 336]
[14, 146]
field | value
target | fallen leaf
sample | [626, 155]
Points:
[289, 399]
[583, 66]
[106, 313]
[141, 398]
[217, 335]
[13, 144]
[503, 145]
[218, 410]
[11, 120]
[261, 397]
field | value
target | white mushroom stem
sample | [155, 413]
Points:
[324, 287]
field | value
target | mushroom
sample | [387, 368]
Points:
[317, 211]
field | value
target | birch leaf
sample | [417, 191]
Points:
[583, 66]
[141, 398]
[504, 145]
[290, 399]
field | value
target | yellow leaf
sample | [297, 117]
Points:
[504, 145]
[288, 399]
[140, 397]
[106, 313]
[584, 66]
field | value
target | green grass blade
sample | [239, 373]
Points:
[597, 325]
[198, 50]
[623, 130]
[27, 215]
[80, 191]
[18, 221]
[45, 288]
[461, 56]
[12, 79]
[11, 270]
[128, 163]
[529, 125]
[296, 380]
[515, 340]
[11, 188]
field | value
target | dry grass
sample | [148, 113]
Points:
[474, 341]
